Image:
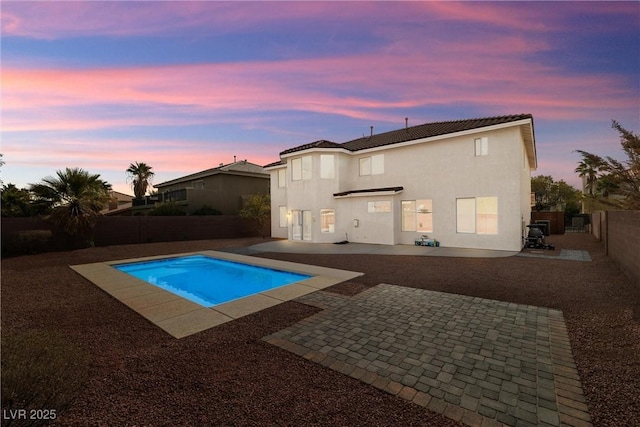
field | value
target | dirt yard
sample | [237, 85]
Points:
[139, 375]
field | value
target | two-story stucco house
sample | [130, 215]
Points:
[223, 188]
[466, 183]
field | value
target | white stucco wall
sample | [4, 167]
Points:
[442, 170]
[278, 198]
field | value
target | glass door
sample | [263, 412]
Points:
[296, 223]
[306, 225]
[301, 223]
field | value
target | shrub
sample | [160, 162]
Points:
[41, 374]
[207, 210]
[257, 208]
[27, 242]
[167, 209]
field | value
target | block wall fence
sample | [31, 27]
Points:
[619, 231]
[32, 235]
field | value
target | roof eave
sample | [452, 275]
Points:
[314, 150]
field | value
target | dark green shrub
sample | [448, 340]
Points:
[167, 209]
[27, 242]
[207, 210]
[41, 375]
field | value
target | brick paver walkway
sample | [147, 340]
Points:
[477, 361]
[565, 254]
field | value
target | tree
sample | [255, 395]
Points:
[589, 168]
[74, 198]
[15, 201]
[616, 178]
[257, 208]
[549, 194]
[140, 175]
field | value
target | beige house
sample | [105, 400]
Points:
[222, 188]
[118, 203]
[465, 183]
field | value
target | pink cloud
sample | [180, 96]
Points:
[52, 20]
[318, 85]
[531, 17]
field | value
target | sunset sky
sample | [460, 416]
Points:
[184, 86]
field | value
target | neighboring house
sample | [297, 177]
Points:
[466, 183]
[222, 188]
[118, 203]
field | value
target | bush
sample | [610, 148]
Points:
[167, 209]
[27, 242]
[41, 375]
[207, 210]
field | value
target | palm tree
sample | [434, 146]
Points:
[140, 175]
[589, 167]
[74, 197]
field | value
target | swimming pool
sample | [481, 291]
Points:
[208, 281]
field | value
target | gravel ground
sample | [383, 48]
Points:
[227, 376]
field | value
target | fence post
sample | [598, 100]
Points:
[606, 232]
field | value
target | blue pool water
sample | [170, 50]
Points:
[209, 281]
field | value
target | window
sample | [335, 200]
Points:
[301, 168]
[466, 215]
[283, 216]
[379, 207]
[282, 178]
[482, 146]
[306, 167]
[198, 185]
[377, 164]
[477, 215]
[417, 215]
[373, 165]
[424, 216]
[327, 166]
[487, 215]
[408, 215]
[296, 169]
[365, 166]
[327, 220]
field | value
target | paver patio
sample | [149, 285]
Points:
[478, 361]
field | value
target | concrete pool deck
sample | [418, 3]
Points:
[477, 361]
[288, 246]
[180, 317]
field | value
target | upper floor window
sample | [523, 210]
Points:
[373, 165]
[327, 166]
[482, 146]
[301, 168]
[282, 178]
[198, 185]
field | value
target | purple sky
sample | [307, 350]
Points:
[184, 86]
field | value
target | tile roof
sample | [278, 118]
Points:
[278, 163]
[411, 133]
[239, 167]
[323, 143]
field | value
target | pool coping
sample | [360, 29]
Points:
[180, 317]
